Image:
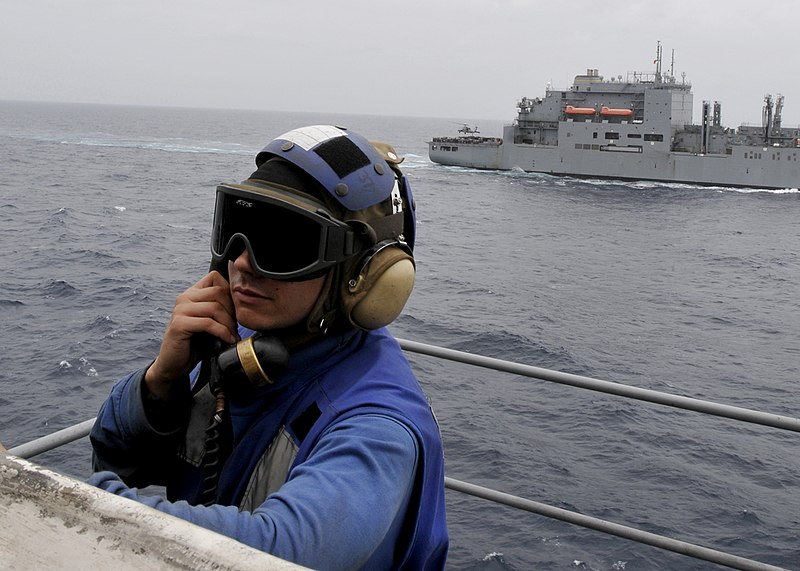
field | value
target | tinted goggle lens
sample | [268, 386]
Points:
[285, 241]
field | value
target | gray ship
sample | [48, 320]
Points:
[634, 129]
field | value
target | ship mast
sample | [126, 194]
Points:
[658, 63]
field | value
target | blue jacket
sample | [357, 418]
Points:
[338, 465]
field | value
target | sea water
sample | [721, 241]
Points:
[105, 215]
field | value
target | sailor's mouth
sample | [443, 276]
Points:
[249, 295]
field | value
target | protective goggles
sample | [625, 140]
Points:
[287, 237]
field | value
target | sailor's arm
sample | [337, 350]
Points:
[343, 507]
[131, 443]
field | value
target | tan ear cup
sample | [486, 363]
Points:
[378, 294]
[387, 152]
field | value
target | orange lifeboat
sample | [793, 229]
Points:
[611, 112]
[570, 110]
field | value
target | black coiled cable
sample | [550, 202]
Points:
[213, 459]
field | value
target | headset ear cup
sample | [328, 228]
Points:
[378, 294]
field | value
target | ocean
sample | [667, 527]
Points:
[105, 216]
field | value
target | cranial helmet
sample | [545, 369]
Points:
[325, 201]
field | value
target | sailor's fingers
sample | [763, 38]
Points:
[206, 308]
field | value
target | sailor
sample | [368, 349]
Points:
[279, 410]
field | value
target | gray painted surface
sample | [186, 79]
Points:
[51, 521]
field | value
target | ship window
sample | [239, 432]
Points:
[594, 135]
[619, 149]
[634, 135]
[612, 135]
[653, 137]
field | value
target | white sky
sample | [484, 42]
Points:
[460, 59]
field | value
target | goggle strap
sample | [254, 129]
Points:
[340, 243]
[388, 227]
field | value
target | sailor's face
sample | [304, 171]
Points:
[266, 304]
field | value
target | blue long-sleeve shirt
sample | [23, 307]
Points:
[345, 505]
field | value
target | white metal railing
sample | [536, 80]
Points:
[677, 401]
[782, 422]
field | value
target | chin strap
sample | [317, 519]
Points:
[322, 319]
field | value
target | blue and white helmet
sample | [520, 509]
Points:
[356, 173]
[367, 201]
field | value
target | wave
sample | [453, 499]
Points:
[767, 190]
[59, 289]
[570, 181]
[84, 367]
[661, 185]
[166, 145]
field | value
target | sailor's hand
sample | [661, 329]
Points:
[204, 308]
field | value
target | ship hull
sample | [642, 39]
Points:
[768, 168]
[475, 155]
